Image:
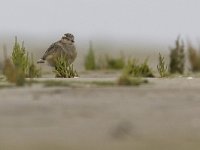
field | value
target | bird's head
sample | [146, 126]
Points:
[68, 38]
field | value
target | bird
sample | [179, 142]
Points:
[65, 46]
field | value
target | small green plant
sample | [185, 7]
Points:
[177, 58]
[162, 67]
[138, 70]
[18, 67]
[13, 74]
[90, 62]
[21, 61]
[63, 69]
[115, 63]
[20, 57]
[194, 58]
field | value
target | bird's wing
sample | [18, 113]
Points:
[52, 49]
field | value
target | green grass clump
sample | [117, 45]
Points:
[17, 67]
[138, 70]
[20, 57]
[133, 73]
[115, 63]
[12, 74]
[177, 58]
[21, 61]
[162, 67]
[194, 58]
[90, 61]
[63, 69]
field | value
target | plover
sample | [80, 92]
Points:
[65, 47]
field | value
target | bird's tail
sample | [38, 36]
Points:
[41, 61]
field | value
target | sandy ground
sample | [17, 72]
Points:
[162, 115]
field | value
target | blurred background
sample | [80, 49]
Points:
[81, 113]
[132, 26]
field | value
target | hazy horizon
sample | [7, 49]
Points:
[155, 20]
[132, 26]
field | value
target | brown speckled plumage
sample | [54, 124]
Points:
[65, 46]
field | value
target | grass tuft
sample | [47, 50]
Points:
[63, 69]
[194, 58]
[20, 57]
[138, 70]
[18, 67]
[162, 67]
[177, 58]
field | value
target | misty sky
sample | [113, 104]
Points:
[120, 19]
